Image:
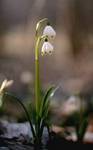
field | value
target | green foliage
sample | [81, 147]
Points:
[81, 130]
[44, 106]
[78, 120]
[37, 121]
[1, 100]
[1, 104]
[41, 120]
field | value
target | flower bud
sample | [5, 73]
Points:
[5, 84]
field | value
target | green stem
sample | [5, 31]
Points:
[23, 106]
[37, 80]
[37, 87]
[39, 26]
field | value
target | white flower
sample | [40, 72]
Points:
[49, 31]
[5, 84]
[71, 105]
[47, 48]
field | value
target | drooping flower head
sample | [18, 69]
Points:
[47, 48]
[49, 31]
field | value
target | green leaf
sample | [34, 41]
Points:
[82, 129]
[45, 101]
[1, 100]
[12, 97]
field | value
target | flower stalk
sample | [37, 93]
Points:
[37, 78]
[46, 49]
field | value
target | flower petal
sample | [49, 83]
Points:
[47, 48]
[5, 84]
[49, 31]
[9, 83]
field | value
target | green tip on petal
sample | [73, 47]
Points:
[48, 23]
[46, 39]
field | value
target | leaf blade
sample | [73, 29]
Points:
[45, 101]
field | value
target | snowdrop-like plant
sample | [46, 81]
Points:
[40, 110]
[44, 32]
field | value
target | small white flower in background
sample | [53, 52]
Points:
[71, 105]
[49, 31]
[5, 84]
[47, 48]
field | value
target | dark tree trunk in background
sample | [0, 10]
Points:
[81, 23]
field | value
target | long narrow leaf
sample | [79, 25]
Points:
[49, 93]
[82, 129]
[1, 99]
[11, 96]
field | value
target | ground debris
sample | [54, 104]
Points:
[14, 144]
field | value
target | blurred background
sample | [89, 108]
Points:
[71, 65]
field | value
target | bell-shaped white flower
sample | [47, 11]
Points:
[49, 31]
[5, 84]
[47, 48]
